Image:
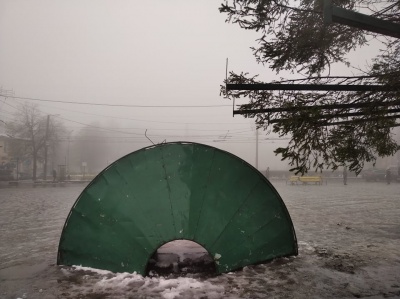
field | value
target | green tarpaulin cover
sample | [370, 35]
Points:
[177, 191]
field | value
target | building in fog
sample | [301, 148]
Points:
[13, 158]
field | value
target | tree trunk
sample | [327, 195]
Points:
[34, 161]
[34, 168]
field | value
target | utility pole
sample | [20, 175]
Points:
[45, 148]
[67, 163]
[6, 93]
[256, 148]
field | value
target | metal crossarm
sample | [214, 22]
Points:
[358, 20]
[317, 87]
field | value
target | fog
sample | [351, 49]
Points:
[160, 62]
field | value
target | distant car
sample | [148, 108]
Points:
[377, 175]
[395, 172]
[24, 176]
[6, 175]
[374, 175]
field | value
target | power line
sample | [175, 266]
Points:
[7, 112]
[117, 105]
[236, 131]
[242, 138]
[131, 133]
[143, 140]
[91, 126]
[8, 104]
[143, 120]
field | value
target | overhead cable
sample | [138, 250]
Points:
[116, 105]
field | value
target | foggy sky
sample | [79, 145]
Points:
[154, 52]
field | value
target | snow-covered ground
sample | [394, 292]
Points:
[349, 246]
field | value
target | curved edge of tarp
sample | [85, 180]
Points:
[286, 212]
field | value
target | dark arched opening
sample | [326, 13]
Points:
[181, 257]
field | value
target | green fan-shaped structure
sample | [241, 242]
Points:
[176, 191]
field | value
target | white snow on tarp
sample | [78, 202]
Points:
[217, 256]
[167, 288]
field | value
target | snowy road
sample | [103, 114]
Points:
[349, 246]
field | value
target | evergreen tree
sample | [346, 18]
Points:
[295, 40]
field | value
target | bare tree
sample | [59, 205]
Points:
[30, 125]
